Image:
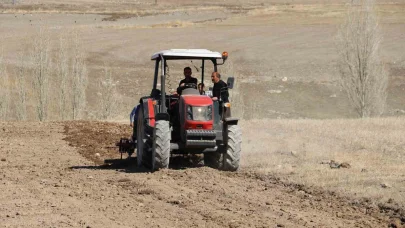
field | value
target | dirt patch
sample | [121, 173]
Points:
[118, 16]
[398, 71]
[96, 140]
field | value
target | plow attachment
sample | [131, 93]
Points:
[126, 145]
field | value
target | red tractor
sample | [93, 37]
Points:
[189, 123]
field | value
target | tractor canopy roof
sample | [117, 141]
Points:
[187, 54]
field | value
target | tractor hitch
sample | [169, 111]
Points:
[126, 145]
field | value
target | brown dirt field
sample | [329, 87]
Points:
[46, 182]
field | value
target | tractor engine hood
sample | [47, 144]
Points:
[197, 112]
[197, 100]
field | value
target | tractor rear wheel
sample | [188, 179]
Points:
[147, 157]
[161, 145]
[140, 137]
[228, 157]
[144, 143]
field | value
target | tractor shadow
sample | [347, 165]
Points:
[129, 165]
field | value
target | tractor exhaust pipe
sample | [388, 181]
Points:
[163, 82]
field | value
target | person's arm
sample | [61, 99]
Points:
[132, 116]
[180, 87]
[181, 82]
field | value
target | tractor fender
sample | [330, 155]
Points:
[148, 111]
[141, 100]
[231, 121]
[162, 116]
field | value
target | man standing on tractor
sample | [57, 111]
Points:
[220, 89]
[187, 80]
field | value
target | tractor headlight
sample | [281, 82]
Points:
[199, 113]
[209, 112]
[189, 112]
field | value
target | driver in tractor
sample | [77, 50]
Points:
[187, 81]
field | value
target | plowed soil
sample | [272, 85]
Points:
[51, 177]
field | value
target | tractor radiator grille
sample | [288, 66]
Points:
[201, 133]
[205, 143]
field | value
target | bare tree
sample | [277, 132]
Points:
[4, 89]
[62, 63]
[20, 87]
[107, 95]
[362, 72]
[41, 72]
[79, 80]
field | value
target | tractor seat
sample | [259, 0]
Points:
[155, 93]
[190, 91]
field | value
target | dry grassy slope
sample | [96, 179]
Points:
[266, 43]
[298, 151]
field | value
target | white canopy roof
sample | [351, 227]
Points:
[187, 53]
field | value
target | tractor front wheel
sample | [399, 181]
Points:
[228, 157]
[233, 149]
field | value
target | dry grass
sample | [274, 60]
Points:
[114, 11]
[170, 24]
[296, 149]
[45, 80]
[5, 88]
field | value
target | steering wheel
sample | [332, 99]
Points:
[190, 85]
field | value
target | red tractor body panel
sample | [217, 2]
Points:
[151, 112]
[207, 125]
[197, 101]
